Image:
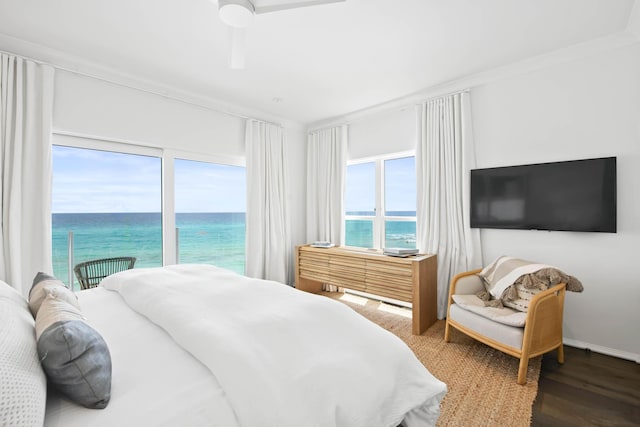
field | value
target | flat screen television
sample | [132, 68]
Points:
[577, 195]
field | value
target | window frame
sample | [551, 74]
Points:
[379, 218]
[169, 239]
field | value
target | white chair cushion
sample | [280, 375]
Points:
[504, 315]
[505, 334]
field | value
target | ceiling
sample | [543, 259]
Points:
[314, 63]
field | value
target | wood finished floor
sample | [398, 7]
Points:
[590, 389]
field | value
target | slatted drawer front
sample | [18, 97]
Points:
[389, 279]
[410, 279]
[347, 272]
[314, 266]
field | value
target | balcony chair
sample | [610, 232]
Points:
[90, 273]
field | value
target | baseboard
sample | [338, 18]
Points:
[603, 350]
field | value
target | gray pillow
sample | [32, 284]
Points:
[23, 385]
[74, 356]
[37, 292]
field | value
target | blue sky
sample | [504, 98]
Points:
[208, 187]
[101, 181]
[400, 186]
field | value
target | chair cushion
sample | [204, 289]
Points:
[23, 384]
[504, 315]
[73, 354]
[505, 334]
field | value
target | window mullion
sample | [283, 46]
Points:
[379, 218]
[168, 210]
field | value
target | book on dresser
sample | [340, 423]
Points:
[322, 244]
[400, 252]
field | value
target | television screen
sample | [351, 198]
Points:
[578, 195]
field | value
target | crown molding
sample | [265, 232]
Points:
[73, 64]
[560, 56]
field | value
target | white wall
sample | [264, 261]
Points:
[383, 133]
[578, 109]
[581, 109]
[94, 107]
[91, 107]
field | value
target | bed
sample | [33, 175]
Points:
[196, 345]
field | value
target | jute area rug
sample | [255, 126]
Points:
[481, 381]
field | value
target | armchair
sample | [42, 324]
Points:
[495, 327]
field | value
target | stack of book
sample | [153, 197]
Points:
[400, 252]
[322, 245]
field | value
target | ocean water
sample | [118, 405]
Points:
[398, 234]
[209, 238]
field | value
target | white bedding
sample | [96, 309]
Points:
[269, 355]
[154, 382]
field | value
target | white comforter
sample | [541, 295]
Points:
[285, 357]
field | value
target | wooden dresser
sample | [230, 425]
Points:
[411, 279]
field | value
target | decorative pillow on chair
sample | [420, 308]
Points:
[516, 281]
[74, 356]
[523, 297]
[42, 282]
[23, 385]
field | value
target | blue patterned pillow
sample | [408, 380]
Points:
[74, 356]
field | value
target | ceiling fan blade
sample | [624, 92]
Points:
[274, 6]
[237, 38]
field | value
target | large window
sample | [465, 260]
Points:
[126, 200]
[380, 203]
[110, 201]
[210, 205]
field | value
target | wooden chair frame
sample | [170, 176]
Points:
[542, 330]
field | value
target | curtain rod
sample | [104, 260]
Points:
[148, 91]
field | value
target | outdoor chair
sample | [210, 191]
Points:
[90, 273]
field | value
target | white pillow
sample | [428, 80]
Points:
[23, 384]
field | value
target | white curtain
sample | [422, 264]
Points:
[26, 105]
[326, 170]
[444, 158]
[267, 241]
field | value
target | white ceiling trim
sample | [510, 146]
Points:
[68, 63]
[571, 53]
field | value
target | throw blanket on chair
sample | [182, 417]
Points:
[506, 276]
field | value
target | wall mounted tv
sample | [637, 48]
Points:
[578, 195]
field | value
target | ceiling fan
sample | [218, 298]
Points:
[238, 14]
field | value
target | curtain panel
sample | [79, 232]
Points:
[444, 158]
[267, 243]
[326, 171]
[26, 106]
